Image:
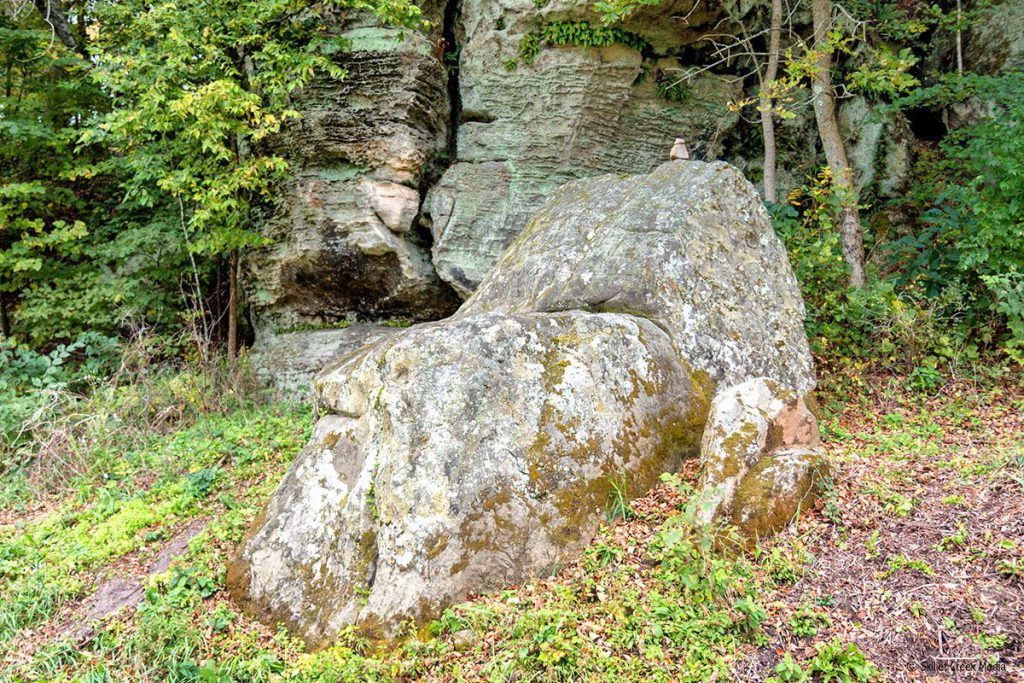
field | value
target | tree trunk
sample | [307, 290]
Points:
[233, 305]
[771, 192]
[832, 143]
[959, 39]
[52, 14]
[5, 322]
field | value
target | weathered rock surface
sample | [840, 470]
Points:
[463, 456]
[996, 43]
[780, 486]
[878, 145]
[758, 457]
[573, 113]
[688, 247]
[289, 362]
[475, 452]
[342, 232]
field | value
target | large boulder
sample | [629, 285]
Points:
[479, 451]
[689, 247]
[464, 456]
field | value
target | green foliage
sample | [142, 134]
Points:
[197, 90]
[832, 661]
[889, 322]
[73, 256]
[672, 89]
[970, 236]
[885, 72]
[898, 563]
[30, 381]
[807, 620]
[579, 34]
[133, 492]
[613, 11]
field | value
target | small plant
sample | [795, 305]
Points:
[992, 641]
[554, 648]
[221, 617]
[1012, 567]
[807, 620]
[751, 614]
[956, 540]
[672, 89]
[832, 661]
[893, 502]
[925, 377]
[786, 565]
[618, 501]
[901, 562]
[201, 482]
[579, 34]
[871, 545]
[371, 497]
[605, 554]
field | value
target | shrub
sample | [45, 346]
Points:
[969, 235]
[884, 322]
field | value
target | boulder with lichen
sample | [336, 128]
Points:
[479, 451]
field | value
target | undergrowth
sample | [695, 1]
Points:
[652, 599]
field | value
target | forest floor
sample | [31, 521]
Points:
[910, 568]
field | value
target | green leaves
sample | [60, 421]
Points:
[200, 88]
[580, 34]
[115, 171]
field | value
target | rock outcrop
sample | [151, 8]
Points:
[411, 177]
[573, 112]
[479, 451]
[289, 362]
[343, 239]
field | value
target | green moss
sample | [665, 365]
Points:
[736, 445]
[312, 327]
[762, 508]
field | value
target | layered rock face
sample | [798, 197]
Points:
[344, 238]
[288, 362]
[574, 112]
[366, 229]
[476, 452]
